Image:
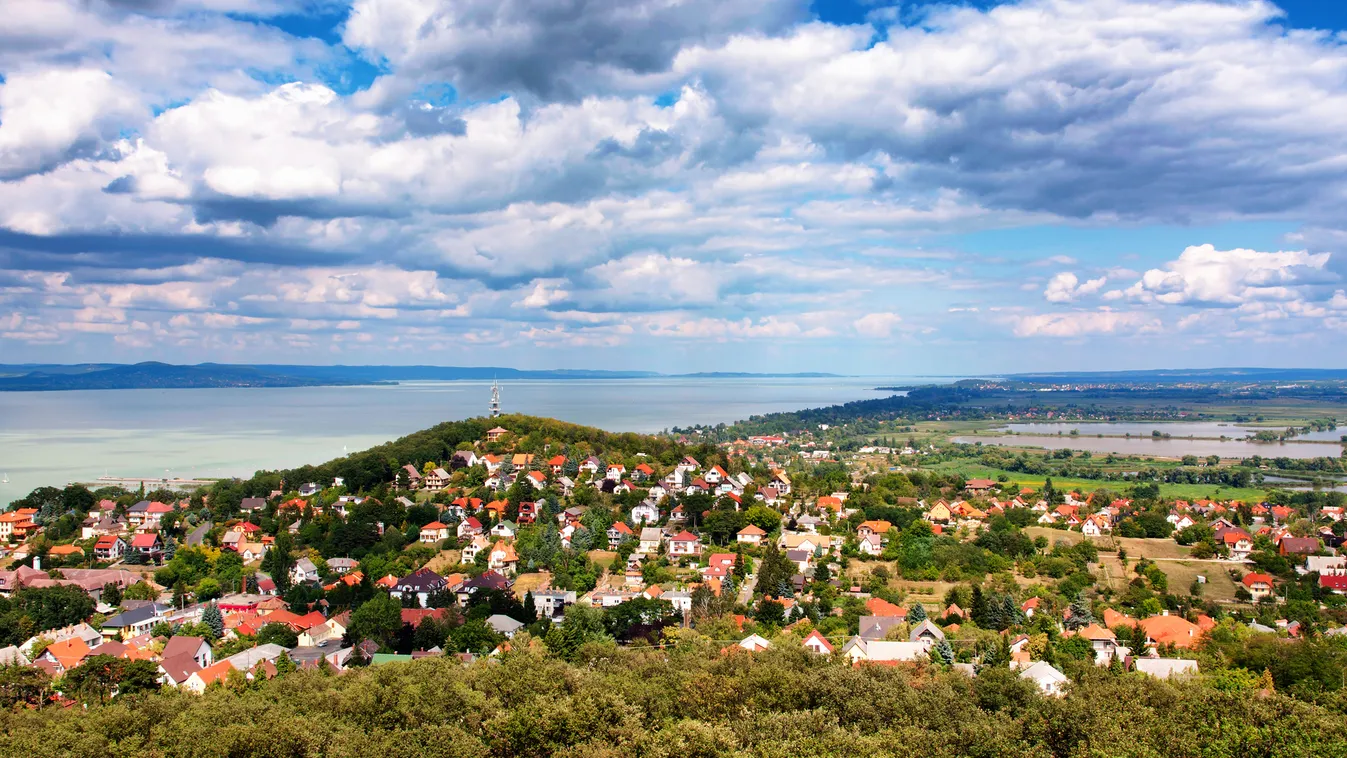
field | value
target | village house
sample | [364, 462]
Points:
[434, 533]
[618, 532]
[503, 558]
[685, 543]
[494, 435]
[304, 572]
[750, 535]
[109, 547]
[476, 545]
[420, 584]
[1259, 586]
[651, 539]
[469, 527]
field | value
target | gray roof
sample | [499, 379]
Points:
[926, 628]
[136, 616]
[652, 534]
[877, 627]
[503, 624]
[252, 504]
[252, 656]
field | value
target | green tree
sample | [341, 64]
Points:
[210, 616]
[379, 619]
[1081, 615]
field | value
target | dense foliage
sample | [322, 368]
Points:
[682, 702]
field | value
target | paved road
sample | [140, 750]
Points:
[746, 591]
[198, 534]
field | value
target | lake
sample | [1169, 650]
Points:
[50, 438]
[1173, 428]
[1173, 447]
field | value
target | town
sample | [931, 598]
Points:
[526, 533]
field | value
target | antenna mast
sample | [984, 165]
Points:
[495, 399]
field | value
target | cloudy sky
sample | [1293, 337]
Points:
[757, 185]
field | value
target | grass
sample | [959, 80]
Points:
[526, 583]
[604, 558]
[973, 469]
[445, 559]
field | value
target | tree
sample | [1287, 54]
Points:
[978, 607]
[942, 653]
[112, 594]
[916, 614]
[1081, 616]
[140, 591]
[378, 619]
[282, 634]
[284, 665]
[53, 607]
[278, 562]
[180, 595]
[210, 616]
[101, 676]
[770, 613]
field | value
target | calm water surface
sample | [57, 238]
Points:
[1173, 428]
[1174, 447]
[50, 438]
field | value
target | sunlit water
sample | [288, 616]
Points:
[50, 438]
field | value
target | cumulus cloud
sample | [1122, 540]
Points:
[48, 117]
[1066, 288]
[1203, 275]
[555, 50]
[877, 325]
[188, 175]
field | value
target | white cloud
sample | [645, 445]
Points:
[1203, 275]
[876, 325]
[1066, 288]
[48, 116]
[1081, 323]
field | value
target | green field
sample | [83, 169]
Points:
[972, 469]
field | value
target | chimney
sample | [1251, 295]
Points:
[37, 562]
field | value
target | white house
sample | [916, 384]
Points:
[645, 513]
[750, 535]
[870, 544]
[858, 649]
[1050, 681]
[651, 539]
[1166, 668]
[753, 643]
[303, 572]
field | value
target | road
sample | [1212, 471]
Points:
[746, 591]
[198, 534]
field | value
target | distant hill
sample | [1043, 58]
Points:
[1172, 376]
[153, 376]
[105, 376]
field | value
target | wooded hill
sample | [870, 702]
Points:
[367, 469]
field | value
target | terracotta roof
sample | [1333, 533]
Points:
[69, 652]
[881, 607]
[1250, 580]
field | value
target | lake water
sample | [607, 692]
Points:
[50, 438]
[1175, 447]
[1173, 428]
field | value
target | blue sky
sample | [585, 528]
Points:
[755, 185]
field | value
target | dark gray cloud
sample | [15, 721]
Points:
[551, 49]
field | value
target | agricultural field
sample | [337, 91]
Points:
[972, 469]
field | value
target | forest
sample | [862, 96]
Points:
[686, 700]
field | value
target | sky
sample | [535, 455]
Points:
[885, 188]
